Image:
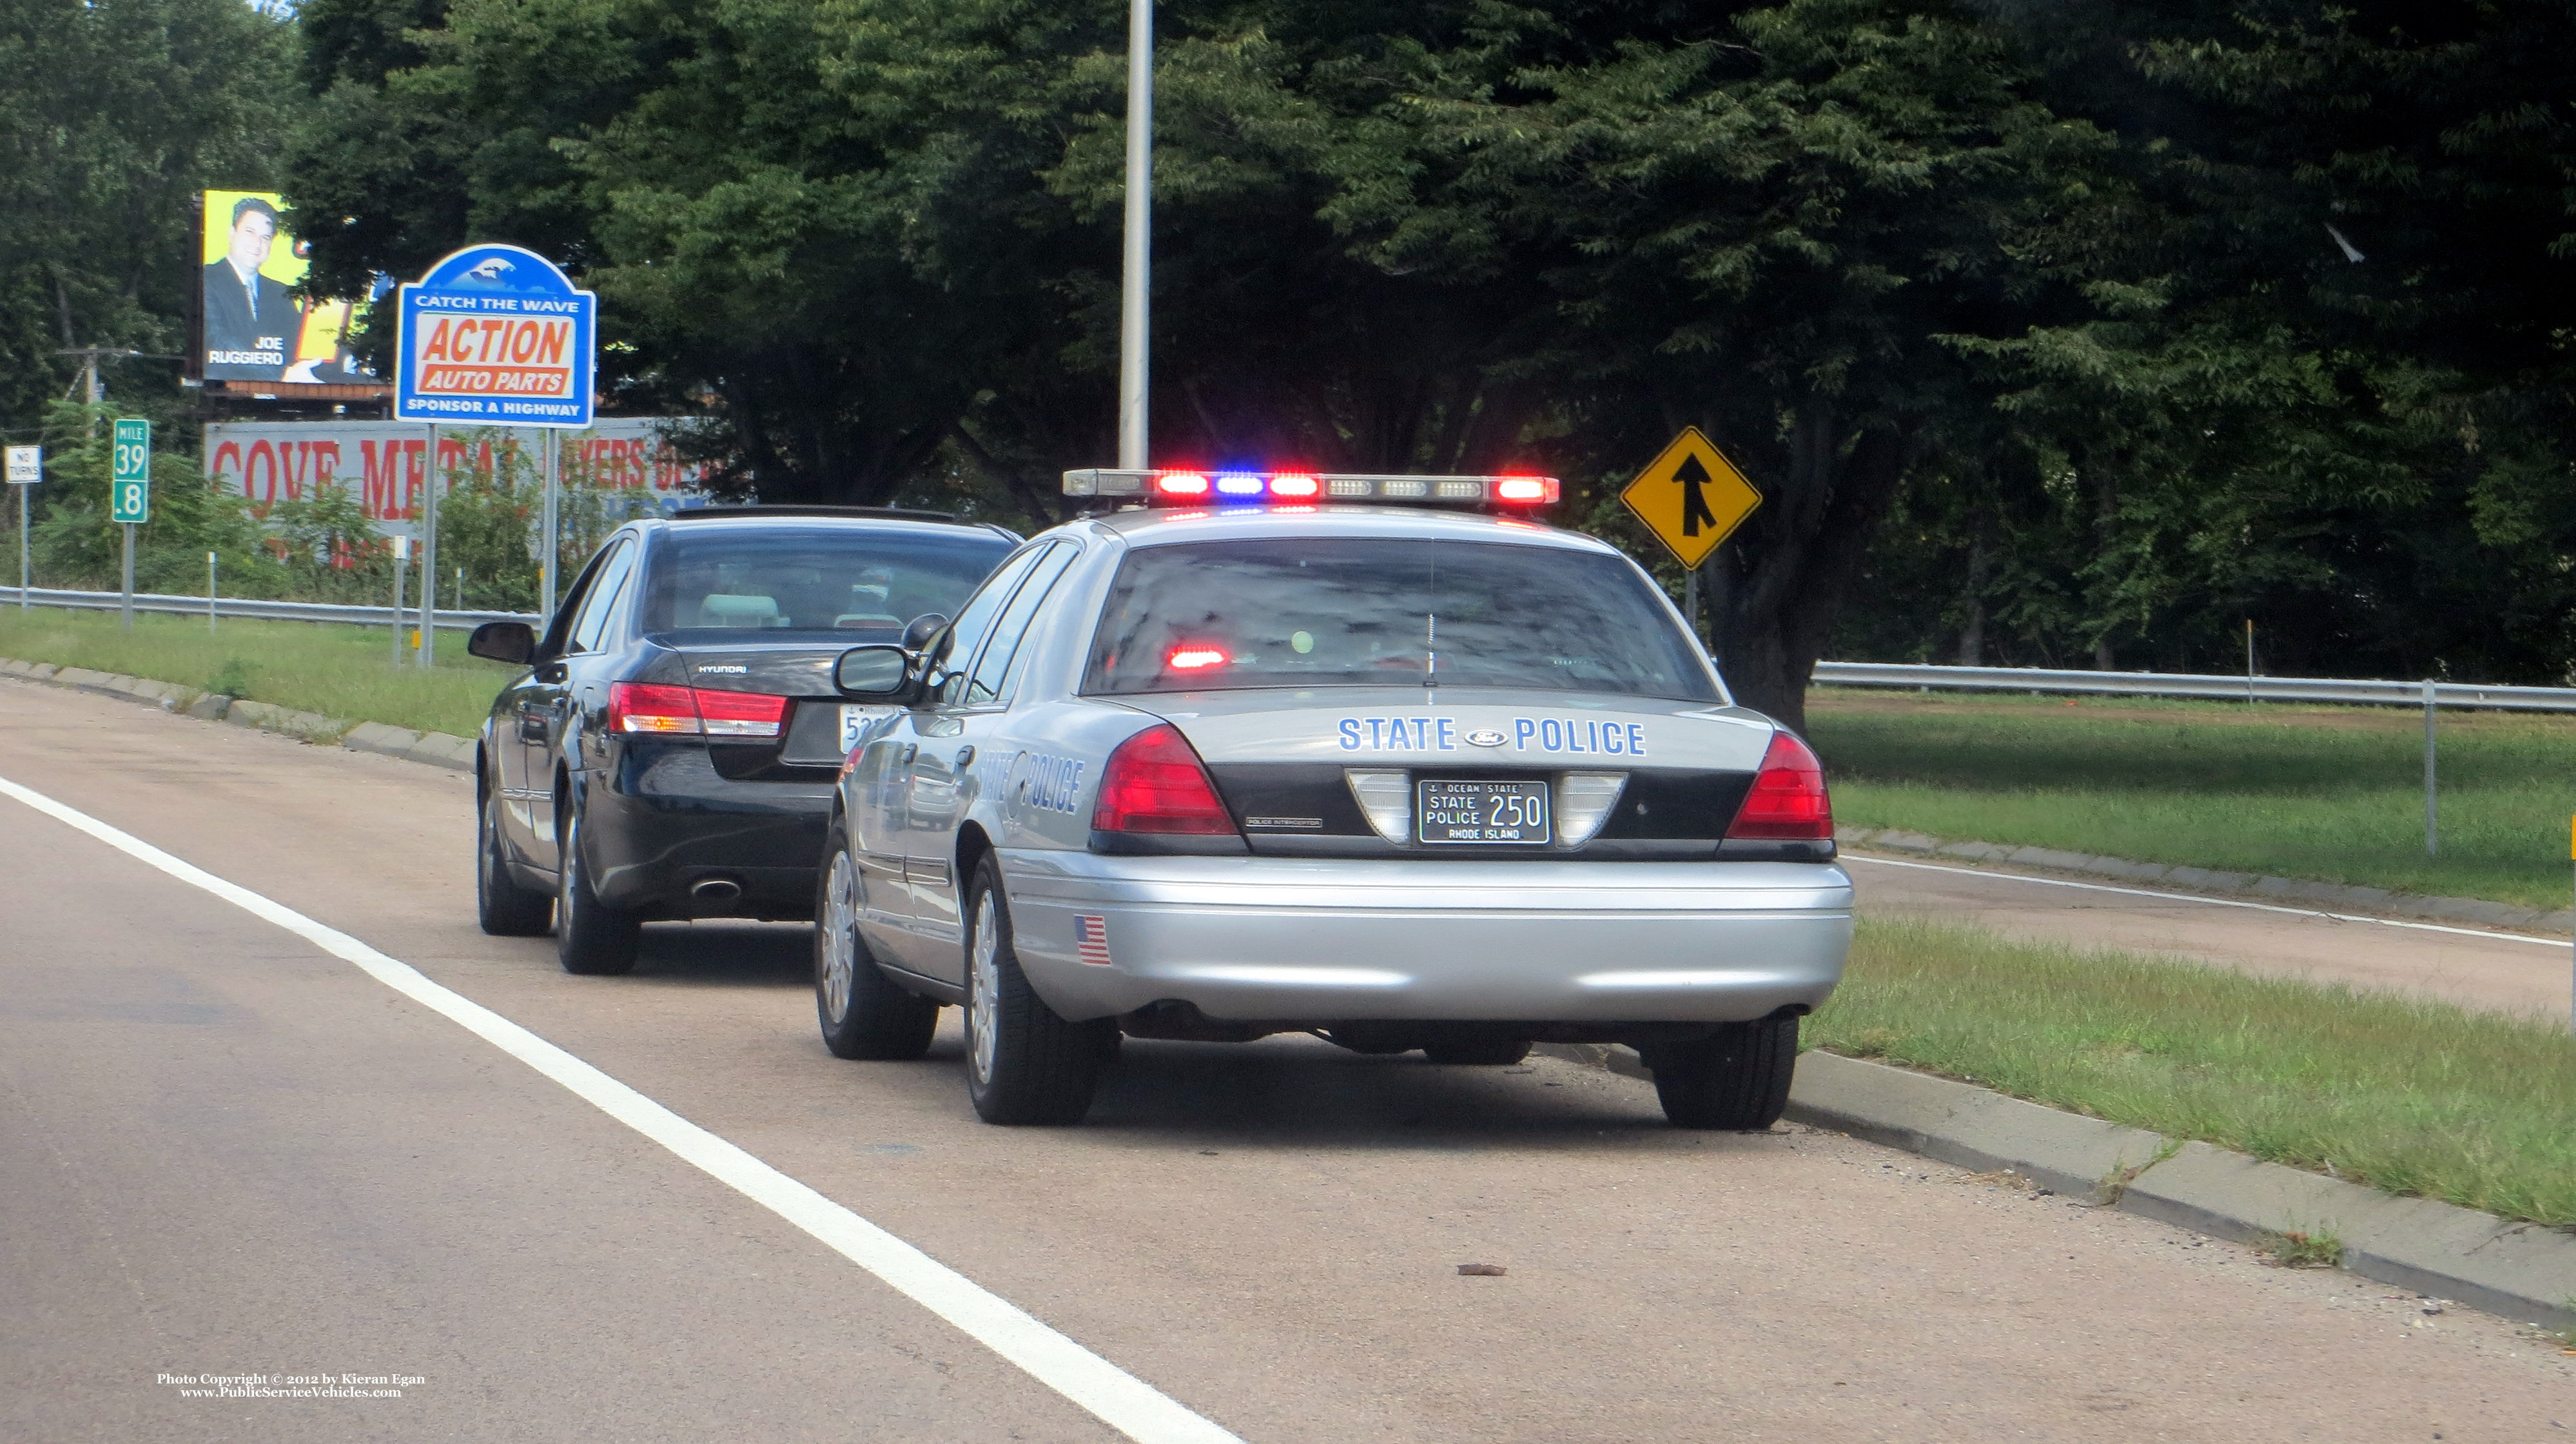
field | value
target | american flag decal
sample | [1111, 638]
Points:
[1093, 936]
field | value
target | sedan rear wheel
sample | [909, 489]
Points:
[1024, 1064]
[501, 905]
[1737, 1078]
[590, 936]
[864, 1014]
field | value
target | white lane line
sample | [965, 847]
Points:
[1121, 1400]
[2216, 902]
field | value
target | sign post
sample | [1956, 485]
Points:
[26, 468]
[1692, 498]
[492, 336]
[130, 495]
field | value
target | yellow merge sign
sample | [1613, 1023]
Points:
[1691, 498]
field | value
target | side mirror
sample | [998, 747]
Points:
[918, 632]
[511, 642]
[876, 673]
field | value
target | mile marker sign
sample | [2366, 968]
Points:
[496, 336]
[1691, 497]
[130, 483]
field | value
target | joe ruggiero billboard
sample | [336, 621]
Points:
[249, 324]
[496, 336]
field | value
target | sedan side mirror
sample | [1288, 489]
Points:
[511, 642]
[875, 673]
[918, 632]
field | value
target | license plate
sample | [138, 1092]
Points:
[1488, 812]
[855, 720]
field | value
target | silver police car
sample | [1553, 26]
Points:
[1369, 757]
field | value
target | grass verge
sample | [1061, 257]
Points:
[2329, 793]
[2408, 1096]
[335, 669]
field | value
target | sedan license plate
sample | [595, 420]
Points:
[1487, 812]
[855, 720]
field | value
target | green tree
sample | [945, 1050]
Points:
[112, 117]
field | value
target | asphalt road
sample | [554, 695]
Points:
[224, 1150]
[2472, 967]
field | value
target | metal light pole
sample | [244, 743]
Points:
[1135, 308]
[2432, 815]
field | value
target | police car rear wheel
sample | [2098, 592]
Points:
[864, 1014]
[1024, 1064]
[590, 937]
[501, 905]
[1737, 1079]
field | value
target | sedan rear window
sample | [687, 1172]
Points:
[719, 577]
[1377, 612]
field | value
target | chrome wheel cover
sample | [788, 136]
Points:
[986, 982]
[840, 939]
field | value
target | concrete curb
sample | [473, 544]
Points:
[437, 749]
[2476, 912]
[2521, 1271]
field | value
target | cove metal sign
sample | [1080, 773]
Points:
[496, 336]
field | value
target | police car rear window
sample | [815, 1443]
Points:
[1377, 612]
[724, 578]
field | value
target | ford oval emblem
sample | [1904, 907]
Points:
[1485, 737]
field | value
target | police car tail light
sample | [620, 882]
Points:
[742, 714]
[1787, 800]
[1387, 798]
[653, 707]
[1154, 782]
[1583, 803]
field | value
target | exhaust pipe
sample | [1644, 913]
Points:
[715, 892]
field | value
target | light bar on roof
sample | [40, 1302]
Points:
[1183, 484]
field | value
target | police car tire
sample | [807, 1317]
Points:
[591, 938]
[501, 905]
[880, 1021]
[1479, 1052]
[1044, 1068]
[1736, 1079]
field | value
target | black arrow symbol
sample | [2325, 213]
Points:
[1694, 476]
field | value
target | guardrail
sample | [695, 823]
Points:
[2191, 684]
[266, 611]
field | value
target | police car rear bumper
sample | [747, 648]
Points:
[1322, 940]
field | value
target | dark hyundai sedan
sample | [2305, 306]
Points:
[671, 750]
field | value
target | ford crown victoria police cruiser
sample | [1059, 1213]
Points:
[1246, 760]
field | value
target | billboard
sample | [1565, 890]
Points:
[250, 325]
[496, 334]
[386, 464]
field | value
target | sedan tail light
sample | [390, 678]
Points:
[1787, 801]
[654, 707]
[1154, 782]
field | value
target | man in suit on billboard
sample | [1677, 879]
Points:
[252, 322]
